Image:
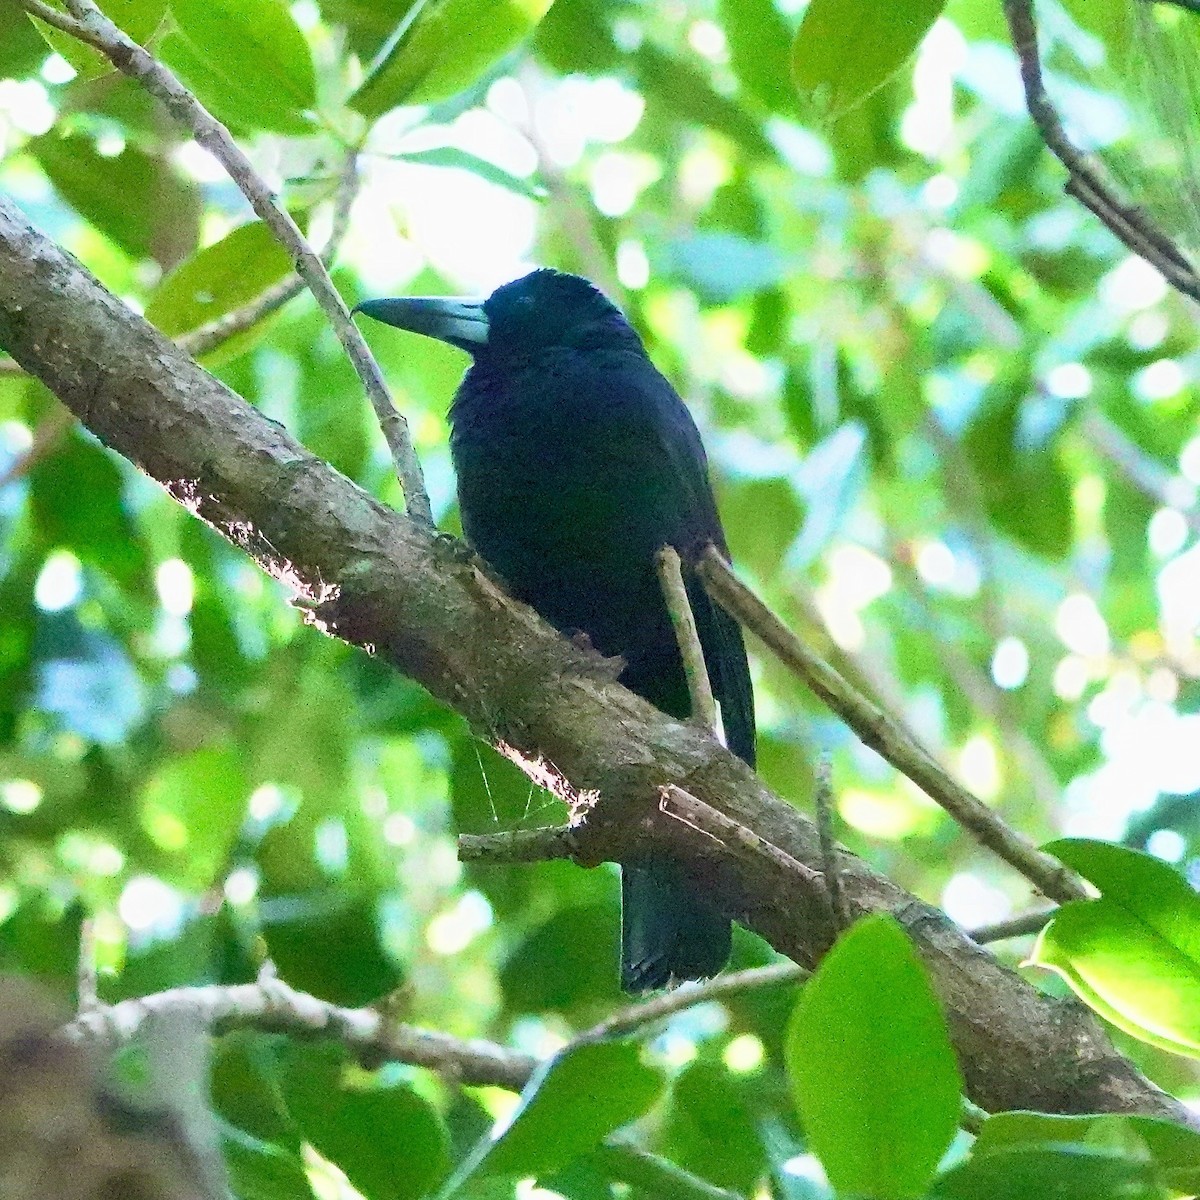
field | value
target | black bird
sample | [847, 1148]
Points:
[577, 462]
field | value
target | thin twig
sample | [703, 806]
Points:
[683, 806]
[635, 1018]
[838, 911]
[1131, 225]
[1018, 926]
[683, 620]
[877, 730]
[517, 845]
[90, 25]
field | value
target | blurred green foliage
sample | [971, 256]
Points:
[951, 424]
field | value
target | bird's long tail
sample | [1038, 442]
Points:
[667, 931]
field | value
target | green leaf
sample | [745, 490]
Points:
[572, 1102]
[461, 160]
[246, 60]
[1173, 1149]
[872, 1069]
[138, 18]
[759, 37]
[218, 279]
[21, 49]
[391, 1144]
[441, 47]
[844, 50]
[193, 809]
[1134, 954]
[261, 1170]
[133, 198]
[1049, 1173]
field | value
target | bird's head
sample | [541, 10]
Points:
[518, 321]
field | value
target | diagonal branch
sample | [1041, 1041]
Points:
[1130, 224]
[884, 735]
[90, 25]
[378, 580]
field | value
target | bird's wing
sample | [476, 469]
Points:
[675, 433]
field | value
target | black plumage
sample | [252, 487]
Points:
[576, 462]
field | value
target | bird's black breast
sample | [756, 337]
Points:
[568, 488]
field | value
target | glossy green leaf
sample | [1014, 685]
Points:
[1173, 1149]
[759, 38]
[218, 279]
[133, 198]
[247, 60]
[21, 49]
[1049, 1173]
[1134, 954]
[443, 46]
[844, 50]
[572, 1102]
[261, 1170]
[138, 18]
[871, 1065]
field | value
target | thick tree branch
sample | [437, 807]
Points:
[380, 581]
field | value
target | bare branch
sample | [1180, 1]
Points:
[1130, 224]
[91, 26]
[838, 911]
[683, 621]
[271, 1006]
[877, 730]
[517, 845]
[1019, 926]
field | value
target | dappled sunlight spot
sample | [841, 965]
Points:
[25, 105]
[806, 1167]
[90, 854]
[148, 905]
[56, 70]
[164, 829]
[979, 766]
[1189, 460]
[399, 829]
[16, 437]
[331, 846]
[971, 901]
[1162, 685]
[1010, 663]
[633, 265]
[59, 582]
[939, 192]
[1069, 381]
[176, 587]
[1168, 844]
[1116, 700]
[267, 802]
[1132, 285]
[241, 886]
[745, 1053]
[1178, 587]
[889, 815]
[1167, 532]
[1071, 677]
[20, 796]
[1160, 380]
[618, 177]
[961, 256]
[499, 1104]
[675, 1049]
[860, 577]
[538, 1037]
[942, 568]
[1148, 330]
[1081, 627]
[707, 38]
[452, 931]
[10, 899]
[928, 122]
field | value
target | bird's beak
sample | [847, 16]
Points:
[462, 323]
